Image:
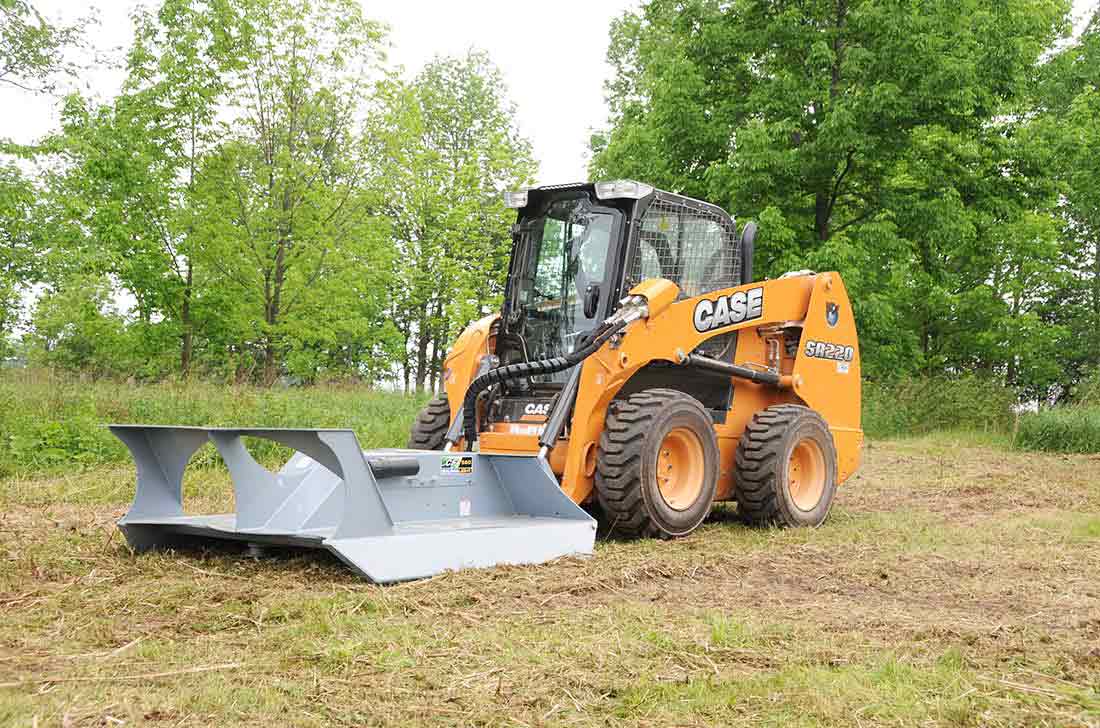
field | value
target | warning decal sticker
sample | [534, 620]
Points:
[457, 465]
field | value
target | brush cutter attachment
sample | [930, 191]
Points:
[392, 515]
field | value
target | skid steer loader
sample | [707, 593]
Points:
[635, 367]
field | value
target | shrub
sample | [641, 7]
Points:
[1070, 429]
[1087, 390]
[920, 406]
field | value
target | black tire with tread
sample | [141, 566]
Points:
[429, 431]
[763, 456]
[626, 483]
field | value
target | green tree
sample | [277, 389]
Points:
[879, 137]
[1068, 122]
[227, 189]
[284, 210]
[77, 327]
[451, 148]
[30, 58]
[30, 47]
[125, 171]
[176, 84]
[18, 245]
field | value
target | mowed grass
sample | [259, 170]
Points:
[954, 584]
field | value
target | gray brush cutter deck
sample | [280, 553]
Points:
[392, 515]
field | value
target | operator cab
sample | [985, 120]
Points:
[578, 249]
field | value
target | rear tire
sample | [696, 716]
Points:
[786, 468]
[657, 465]
[429, 432]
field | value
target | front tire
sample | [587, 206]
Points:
[786, 468]
[657, 465]
[429, 432]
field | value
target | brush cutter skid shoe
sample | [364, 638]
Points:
[391, 515]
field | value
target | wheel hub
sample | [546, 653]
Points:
[806, 474]
[680, 463]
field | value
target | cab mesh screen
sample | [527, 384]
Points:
[695, 249]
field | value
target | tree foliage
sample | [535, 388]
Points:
[285, 205]
[452, 149]
[30, 58]
[31, 47]
[1068, 125]
[891, 140]
[265, 199]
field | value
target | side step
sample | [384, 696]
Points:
[392, 515]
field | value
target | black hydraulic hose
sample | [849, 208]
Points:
[527, 369]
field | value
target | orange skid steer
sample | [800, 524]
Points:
[635, 369]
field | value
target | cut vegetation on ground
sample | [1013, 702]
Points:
[953, 585]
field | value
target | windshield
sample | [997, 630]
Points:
[564, 260]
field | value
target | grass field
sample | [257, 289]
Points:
[954, 584]
[53, 422]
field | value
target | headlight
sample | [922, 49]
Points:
[515, 199]
[627, 188]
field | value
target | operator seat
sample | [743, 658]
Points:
[662, 248]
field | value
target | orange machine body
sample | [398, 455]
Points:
[800, 327]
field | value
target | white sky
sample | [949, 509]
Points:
[552, 56]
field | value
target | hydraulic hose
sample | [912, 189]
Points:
[526, 369]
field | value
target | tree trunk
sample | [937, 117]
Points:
[825, 199]
[422, 361]
[439, 341]
[926, 345]
[423, 336]
[438, 345]
[188, 333]
[1096, 300]
[437, 362]
[271, 371]
[821, 216]
[271, 350]
[1010, 372]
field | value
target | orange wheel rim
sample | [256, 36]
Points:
[806, 475]
[680, 468]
